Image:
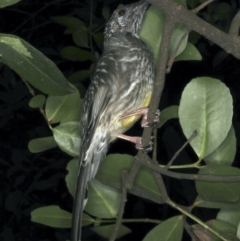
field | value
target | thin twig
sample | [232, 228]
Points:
[90, 26]
[127, 182]
[189, 230]
[201, 6]
[34, 14]
[172, 57]
[31, 91]
[180, 150]
[121, 209]
[210, 178]
[197, 220]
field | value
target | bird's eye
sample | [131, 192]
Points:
[121, 12]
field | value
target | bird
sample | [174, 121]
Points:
[120, 90]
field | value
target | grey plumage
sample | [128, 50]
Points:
[122, 82]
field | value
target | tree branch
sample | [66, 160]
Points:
[230, 43]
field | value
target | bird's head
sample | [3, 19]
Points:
[127, 19]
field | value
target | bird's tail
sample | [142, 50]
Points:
[80, 201]
[95, 153]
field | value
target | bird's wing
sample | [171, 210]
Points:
[95, 102]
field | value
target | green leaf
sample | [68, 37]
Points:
[238, 231]
[103, 201]
[215, 190]
[169, 230]
[72, 23]
[33, 66]
[230, 216]
[224, 229]
[206, 106]
[67, 136]
[71, 177]
[99, 38]
[205, 203]
[189, 53]
[194, 37]
[168, 114]
[225, 153]
[59, 107]
[52, 216]
[106, 12]
[76, 54]
[75, 113]
[41, 144]
[86, 220]
[80, 38]
[144, 185]
[106, 231]
[37, 101]
[5, 3]
[80, 75]
[151, 32]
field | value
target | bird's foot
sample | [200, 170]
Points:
[143, 112]
[138, 142]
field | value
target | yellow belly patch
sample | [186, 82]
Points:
[129, 121]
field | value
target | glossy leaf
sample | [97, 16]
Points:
[169, 230]
[37, 101]
[206, 106]
[230, 216]
[86, 220]
[59, 107]
[68, 138]
[33, 66]
[76, 54]
[80, 75]
[205, 203]
[220, 191]
[41, 144]
[168, 114]
[103, 201]
[225, 153]
[238, 231]
[52, 216]
[151, 32]
[5, 3]
[80, 38]
[71, 177]
[75, 113]
[189, 53]
[144, 185]
[99, 38]
[224, 229]
[106, 230]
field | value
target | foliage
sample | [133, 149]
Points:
[206, 105]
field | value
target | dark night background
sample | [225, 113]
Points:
[28, 181]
